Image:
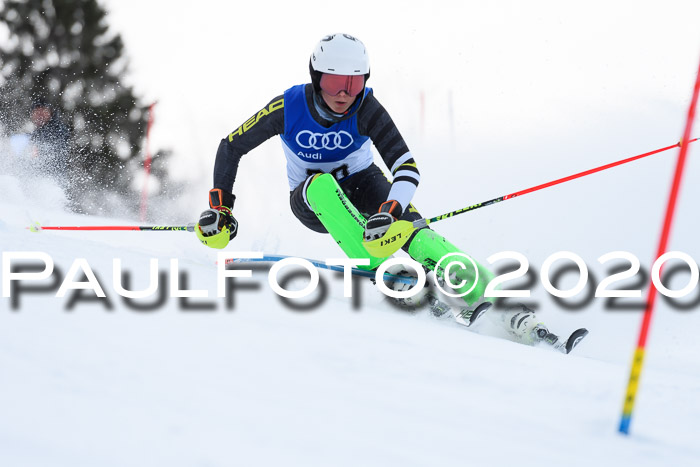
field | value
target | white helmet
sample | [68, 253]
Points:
[340, 54]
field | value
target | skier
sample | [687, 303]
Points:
[327, 127]
[50, 138]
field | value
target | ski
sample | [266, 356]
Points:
[323, 265]
[569, 344]
[574, 339]
[463, 315]
[468, 316]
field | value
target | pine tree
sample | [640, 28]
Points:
[63, 51]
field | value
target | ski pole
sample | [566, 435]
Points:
[400, 231]
[36, 227]
[323, 265]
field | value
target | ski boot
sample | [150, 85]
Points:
[522, 323]
[415, 301]
[465, 316]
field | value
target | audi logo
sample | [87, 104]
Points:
[331, 140]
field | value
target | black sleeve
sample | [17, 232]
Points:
[265, 124]
[374, 121]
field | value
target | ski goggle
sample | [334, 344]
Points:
[333, 84]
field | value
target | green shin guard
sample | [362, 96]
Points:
[340, 218]
[429, 247]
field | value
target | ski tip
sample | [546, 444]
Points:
[479, 311]
[35, 227]
[575, 338]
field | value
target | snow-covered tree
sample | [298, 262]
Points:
[63, 51]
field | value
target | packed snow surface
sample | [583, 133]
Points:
[250, 380]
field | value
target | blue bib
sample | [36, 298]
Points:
[310, 141]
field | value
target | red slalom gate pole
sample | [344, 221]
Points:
[638, 358]
[147, 163]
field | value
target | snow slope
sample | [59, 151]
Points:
[263, 383]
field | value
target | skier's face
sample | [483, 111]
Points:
[40, 116]
[339, 91]
[339, 103]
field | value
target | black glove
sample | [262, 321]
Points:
[379, 223]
